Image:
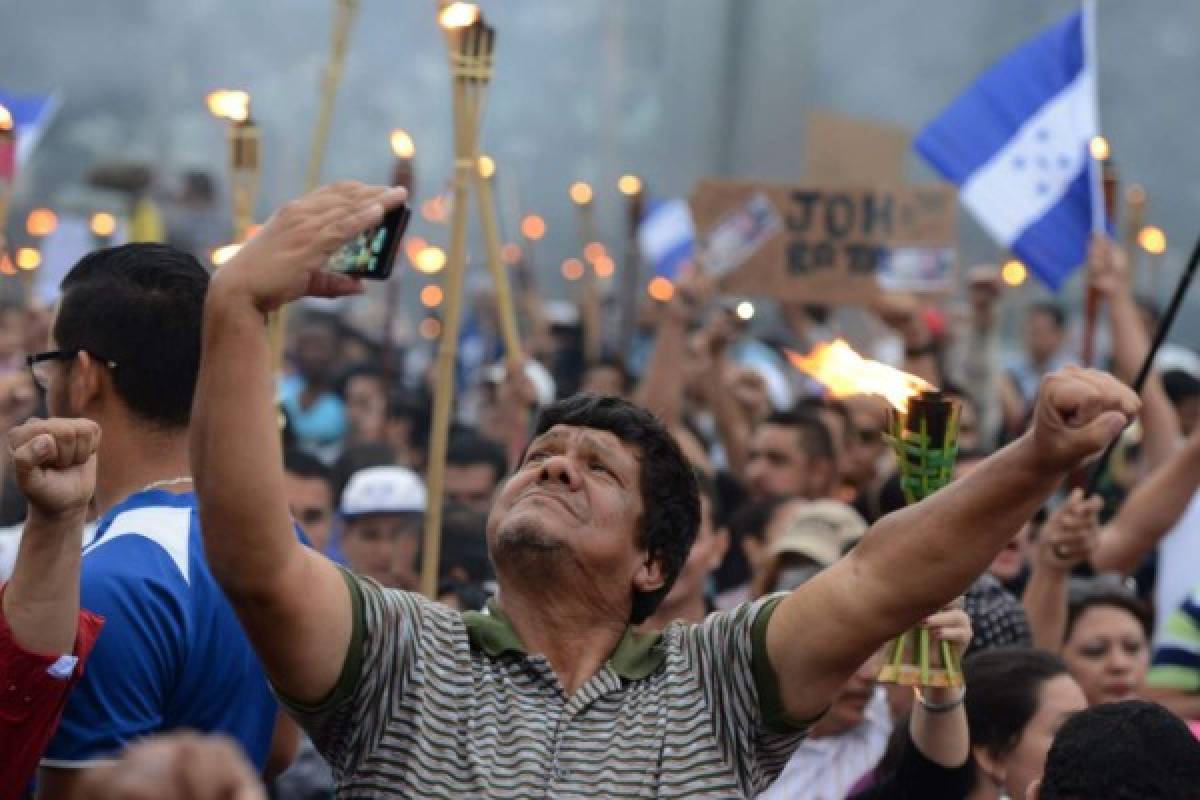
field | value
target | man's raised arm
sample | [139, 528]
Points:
[918, 559]
[293, 602]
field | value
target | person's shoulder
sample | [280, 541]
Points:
[147, 540]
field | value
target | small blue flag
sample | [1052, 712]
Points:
[666, 236]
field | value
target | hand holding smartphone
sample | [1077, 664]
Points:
[372, 253]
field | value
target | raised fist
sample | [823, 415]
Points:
[1077, 413]
[55, 464]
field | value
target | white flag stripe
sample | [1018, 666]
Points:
[666, 228]
[1030, 174]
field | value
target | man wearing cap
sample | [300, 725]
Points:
[805, 537]
[383, 508]
[553, 693]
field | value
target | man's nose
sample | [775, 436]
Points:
[559, 469]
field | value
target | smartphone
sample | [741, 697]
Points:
[372, 253]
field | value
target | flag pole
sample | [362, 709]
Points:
[1091, 311]
[1094, 165]
[1160, 336]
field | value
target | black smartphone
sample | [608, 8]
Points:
[372, 253]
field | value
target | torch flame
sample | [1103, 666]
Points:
[6, 121]
[402, 144]
[230, 104]
[844, 373]
[458, 15]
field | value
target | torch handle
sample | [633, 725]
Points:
[1160, 336]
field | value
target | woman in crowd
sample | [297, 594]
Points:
[1107, 644]
[1018, 699]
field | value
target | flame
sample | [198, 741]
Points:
[6, 120]
[402, 144]
[581, 193]
[629, 185]
[458, 15]
[103, 223]
[222, 254]
[230, 104]
[28, 258]
[487, 166]
[533, 227]
[1152, 240]
[1099, 148]
[844, 372]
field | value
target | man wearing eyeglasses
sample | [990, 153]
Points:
[126, 339]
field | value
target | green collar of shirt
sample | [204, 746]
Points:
[637, 655]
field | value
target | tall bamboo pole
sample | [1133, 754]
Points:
[491, 236]
[589, 304]
[469, 42]
[344, 13]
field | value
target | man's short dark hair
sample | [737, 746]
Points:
[468, 447]
[813, 434]
[140, 306]
[670, 499]
[1054, 311]
[1131, 750]
[305, 465]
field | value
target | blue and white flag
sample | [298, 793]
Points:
[666, 236]
[1016, 142]
[31, 116]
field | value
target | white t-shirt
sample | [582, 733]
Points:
[1178, 565]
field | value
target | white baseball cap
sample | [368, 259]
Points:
[383, 490]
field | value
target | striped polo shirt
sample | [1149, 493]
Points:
[437, 703]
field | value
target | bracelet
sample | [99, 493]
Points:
[938, 708]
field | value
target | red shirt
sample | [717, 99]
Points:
[33, 692]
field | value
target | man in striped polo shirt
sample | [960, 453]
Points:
[552, 693]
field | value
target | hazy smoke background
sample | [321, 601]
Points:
[584, 89]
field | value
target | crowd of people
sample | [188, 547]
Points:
[669, 571]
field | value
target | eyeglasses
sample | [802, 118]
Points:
[39, 364]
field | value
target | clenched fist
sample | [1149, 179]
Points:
[177, 766]
[1078, 412]
[55, 465]
[283, 261]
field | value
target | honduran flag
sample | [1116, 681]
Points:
[666, 236]
[1016, 142]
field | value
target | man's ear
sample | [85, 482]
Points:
[651, 575]
[85, 380]
[989, 765]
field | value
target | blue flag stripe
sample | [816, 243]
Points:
[985, 117]
[1056, 244]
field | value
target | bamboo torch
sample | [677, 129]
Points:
[924, 435]
[343, 19]
[581, 195]
[403, 174]
[1099, 151]
[506, 311]
[631, 187]
[469, 43]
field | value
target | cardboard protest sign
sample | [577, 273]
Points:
[825, 244]
[850, 151]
